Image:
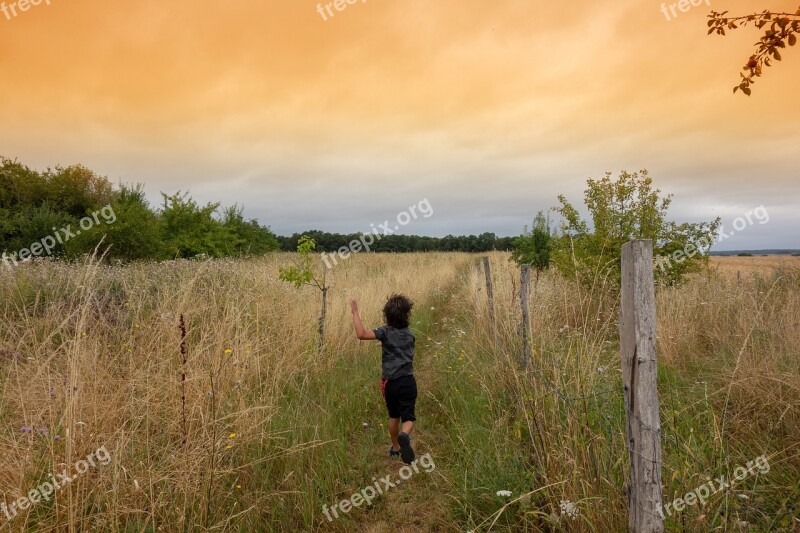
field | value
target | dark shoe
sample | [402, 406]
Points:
[393, 453]
[406, 451]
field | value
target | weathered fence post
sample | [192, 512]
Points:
[184, 430]
[739, 278]
[323, 314]
[487, 268]
[524, 291]
[637, 328]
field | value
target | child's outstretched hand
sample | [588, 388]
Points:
[362, 333]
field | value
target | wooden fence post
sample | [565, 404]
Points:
[524, 292]
[487, 268]
[637, 328]
[323, 314]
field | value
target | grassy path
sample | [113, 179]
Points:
[424, 503]
[463, 425]
[456, 427]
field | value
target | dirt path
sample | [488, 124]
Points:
[423, 502]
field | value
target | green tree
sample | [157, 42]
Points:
[128, 229]
[486, 242]
[20, 186]
[34, 223]
[533, 246]
[190, 230]
[247, 237]
[77, 190]
[621, 210]
[6, 227]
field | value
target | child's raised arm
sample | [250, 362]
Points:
[361, 333]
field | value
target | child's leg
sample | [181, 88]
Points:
[408, 400]
[394, 432]
[394, 414]
[407, 404]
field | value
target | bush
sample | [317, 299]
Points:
[624, 209]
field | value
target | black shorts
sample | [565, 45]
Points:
[401, 398]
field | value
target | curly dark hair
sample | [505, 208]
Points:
[397, 311]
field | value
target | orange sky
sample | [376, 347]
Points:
[489, 109]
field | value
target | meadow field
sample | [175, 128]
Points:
[241, 425]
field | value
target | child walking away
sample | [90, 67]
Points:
[397, 381]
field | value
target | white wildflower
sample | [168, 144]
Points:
[569, 509]
[504, 493]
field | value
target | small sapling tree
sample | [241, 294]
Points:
[533, 246]
[303, 273]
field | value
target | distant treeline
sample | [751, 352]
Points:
[769, 251]
[331, 242]
[57, 213]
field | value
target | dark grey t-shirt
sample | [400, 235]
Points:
[398, 351]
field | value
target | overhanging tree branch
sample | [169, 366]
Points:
[782, 29]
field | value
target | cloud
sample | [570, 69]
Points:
[493, 108]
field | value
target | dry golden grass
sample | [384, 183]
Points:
[729, 387]
[91, 353]
[728, 266]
